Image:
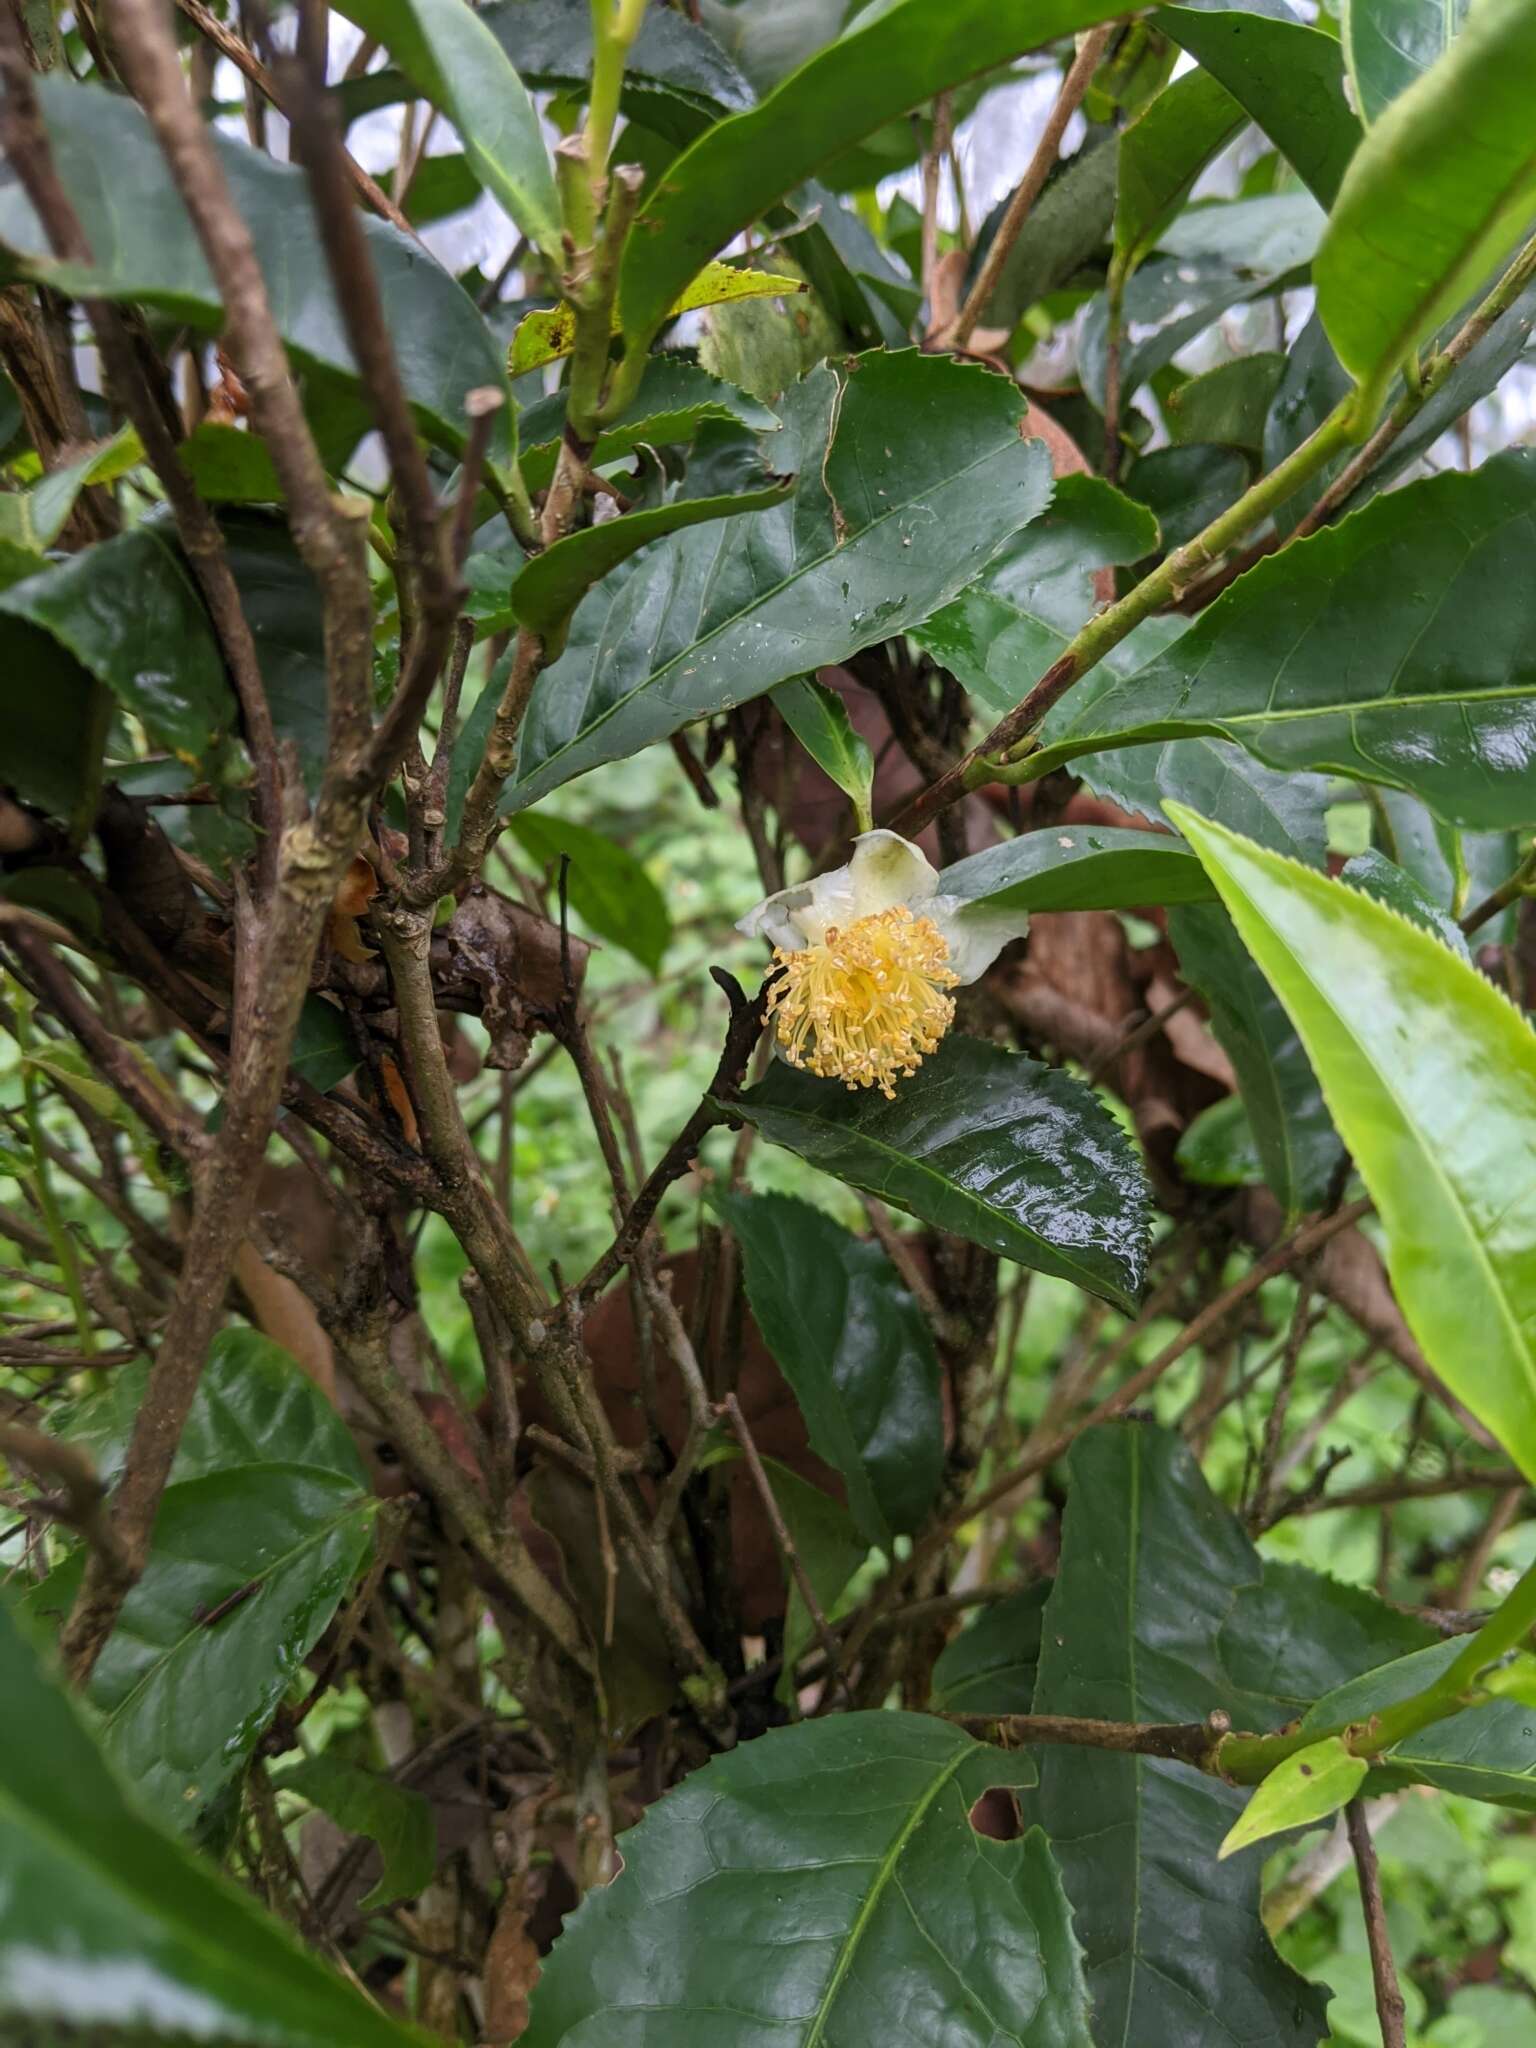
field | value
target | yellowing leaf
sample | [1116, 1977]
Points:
[544, 337]
[1307, 1787]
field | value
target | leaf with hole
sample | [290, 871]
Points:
[1430, 1074]
[995, 1147]
[823, 1884]
[545, 336]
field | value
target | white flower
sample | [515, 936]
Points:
[866, 953]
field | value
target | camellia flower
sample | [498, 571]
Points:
[868, 953]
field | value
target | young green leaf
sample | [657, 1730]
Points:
[856, 1351]
[1438, 194]
[1430, 1074]
[1305, 1788]
[997, 1148]
[774, 1894]
[449, 52]
[104, 1919]
[819, 720]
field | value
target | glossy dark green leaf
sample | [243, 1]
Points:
[1229, 404]
[856, 1351]
[989, 1668]
[823, 1884]
[1186, 488]
[230, 466]
[253, 1406]
[281, 602]
[831, 1550]
[1162, 1611]
[1430, 1074]
[145, 249]
[819, 720]
[609, 888]
[1297, 1143]
[104, 1920]
[442, 186]
[674, 398]
[1313, 383]
[1388, 44]
[129, 613]
[1454, 869]
[1348, 651]
[1218, 1150]
[550, 587]
[449, 52]
[1067, 225]
[1162, 153]
[1288, 77]
[855, 280]
[997, 1148]
[1001, 634]
[1441, 190]
[185, 1688]
[911, 472]
[1394, 886]
[1079, 867]
[1487, 1753]
[878, 68]
[396, 1818]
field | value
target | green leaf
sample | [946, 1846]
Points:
[551, 586]
[184, 1690]
[1162, 153]
[830, 1549]
[1441, 190]
[548, 333]
[871, 542]
[1388, 44]
[997, 1148]
[324, 1045]
[856, 1352]
[823, 1884]
[1348, 651]
[31, 520]
[458, 63]
[1487, 1753]
[819, 720]
[363, 1803]
[1079, 867]
[1001, 634]
[887, 61]
[1066, 227]
[1273, 233]
[1431, 1077]
[990, 1667]
[1154, 1577]
[253, 1406]
[1228, 404]
[674, 399]
[129, 613]
[1219, 1150]
[1186, 488]
[1297, 1144]
[230, 466]
[1169, 301]
[677, 79]
[145, 250]
[86, 1882]
[1392, 885]
[609, 888]
[1304, 1789]
[281, 602]
[1287, 76]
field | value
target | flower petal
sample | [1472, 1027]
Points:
[887, 870]
[774, 919]
[974, 934]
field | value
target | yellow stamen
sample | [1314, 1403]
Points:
[865, 1005]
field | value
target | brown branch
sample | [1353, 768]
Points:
[1030, 186]
[1390, 2008]
[245, 61]
[1184, 1742]
[83, 1502]
[742, 1034]
[1386, 1492]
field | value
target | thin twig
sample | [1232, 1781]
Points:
[1390, 2008]
[1030, 186]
